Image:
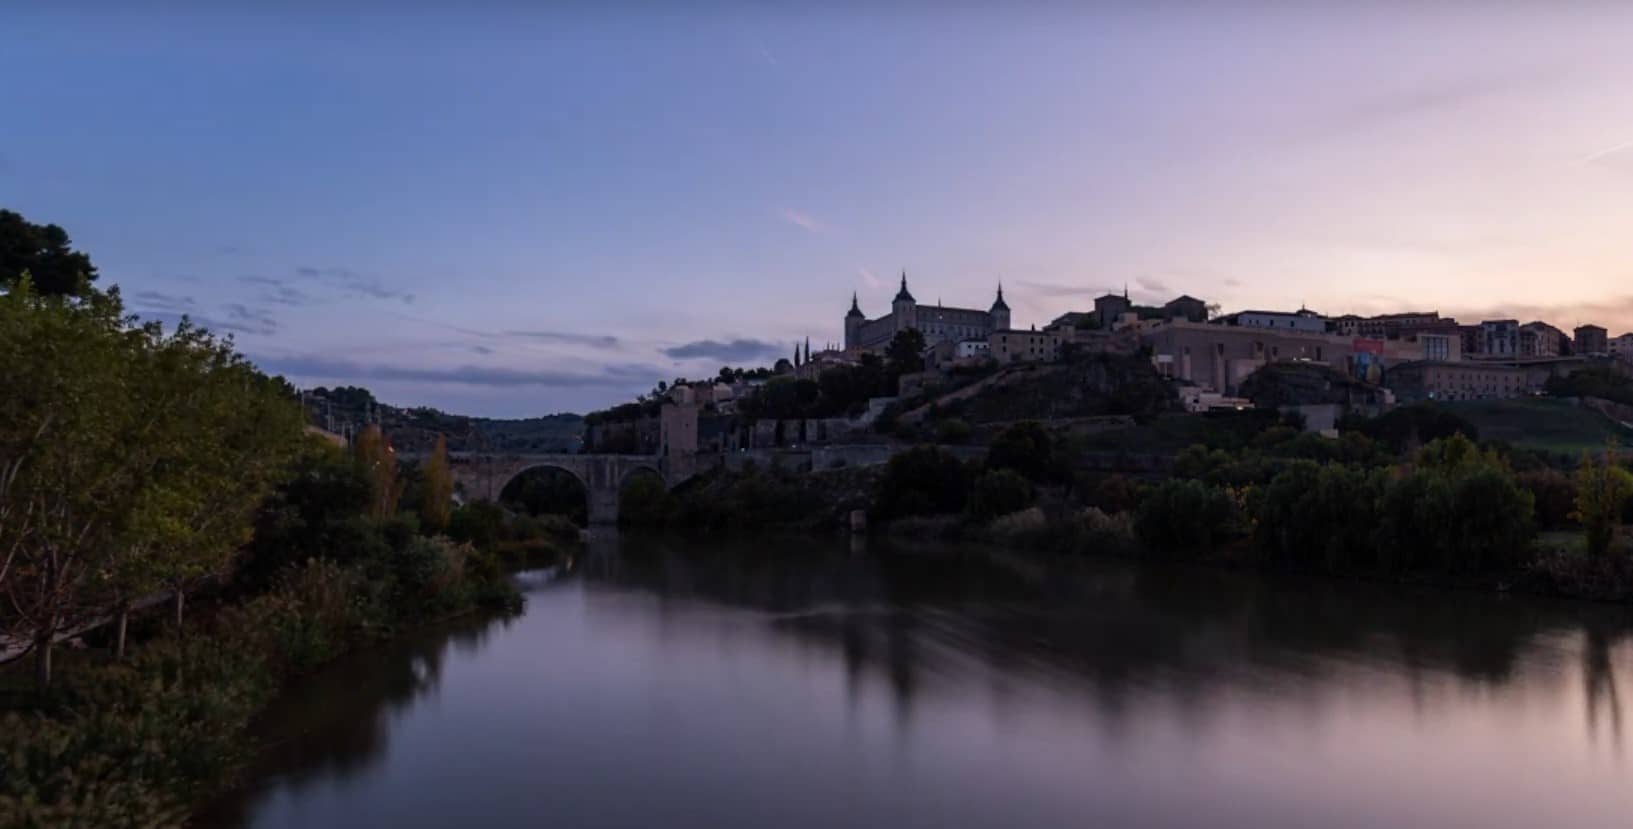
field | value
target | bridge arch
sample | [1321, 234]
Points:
[480, 475]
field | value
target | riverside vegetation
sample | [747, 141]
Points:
[137, 463]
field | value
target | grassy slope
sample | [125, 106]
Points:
[1540, 423]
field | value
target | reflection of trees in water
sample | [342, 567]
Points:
[1120, 629]
[334, 725]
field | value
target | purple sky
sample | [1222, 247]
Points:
[505, 211]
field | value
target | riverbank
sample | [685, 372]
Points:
[148, 740]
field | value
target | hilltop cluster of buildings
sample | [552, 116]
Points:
[1417, 355]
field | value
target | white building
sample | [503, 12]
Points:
[1301, 320]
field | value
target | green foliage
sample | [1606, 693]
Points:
[1030, 450]
[1324, 516]
[1406, 427]
[436, 489]
[548, 491]
[905, 353]
[46, 254]
[1186, 516]
[922, 481]
[644, 502]
[1457, 510]
[999, 492]
[1602, 492]
[952, 431]
[1603, 383]
[1553, 493]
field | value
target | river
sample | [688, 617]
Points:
[802, 684]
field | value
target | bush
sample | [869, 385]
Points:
[999, 492]
[1458, 510]
[921, 481]
[1029, 449]
[1554, 494]
[1322, 516]
[1186, 515]
[952, 430]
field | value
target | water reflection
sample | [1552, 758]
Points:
[799, 683]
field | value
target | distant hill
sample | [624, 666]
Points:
[346, 409]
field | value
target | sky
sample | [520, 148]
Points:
[513, 209]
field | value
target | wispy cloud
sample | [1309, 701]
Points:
[1151, 283]
[868, 278]
[802, 220]
[731, 351]
[250, 320]
[318, 367]
[560, 337]
[354, 283]
[1607, 153]
[1051, 289]
[279, 291]
[161, 301]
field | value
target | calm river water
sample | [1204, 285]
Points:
[768, 684]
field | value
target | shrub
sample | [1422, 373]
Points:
[1458, 509]
[921, 481]
[1554, 494]
[1320, 515]
[1185, 515]
[1026, 448]
[952, 430]
[1602, 492]
[999, 492]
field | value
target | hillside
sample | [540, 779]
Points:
[1544, 424]
[415, 430]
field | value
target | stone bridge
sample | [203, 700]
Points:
[484, 475]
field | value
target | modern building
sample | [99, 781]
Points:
[1301, 320]
[1592, 339]
[1218, 357]
[1389, 326]
[938, 323]
[1434, 380]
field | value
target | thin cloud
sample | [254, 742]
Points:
[802, 220]
[1051, 289]
[279, 291]
[1607, 153]
[160, 301]
[732, 351]
[1151, 284]
[250, 320]
[354, 283]
[316, 367]
[560, 337]
[868, 278]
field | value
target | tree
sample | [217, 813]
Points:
[1602, 489]
[999, 492]
[1028, 449]
[44, 252]
[905, 354]
[378, 461]
[130, 458]
[437, 492]
[922, 481]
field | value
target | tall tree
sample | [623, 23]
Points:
[133, 458]
[1602, 490]
[437, 492]
[46, 253]
[378, 461]
[906, 351]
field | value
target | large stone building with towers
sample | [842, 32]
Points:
[938, 323]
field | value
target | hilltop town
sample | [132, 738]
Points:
[926, 371]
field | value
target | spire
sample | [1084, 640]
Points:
[903, 295]
[856, 310]
[807, 349]
[1125, 290]
[999, 304]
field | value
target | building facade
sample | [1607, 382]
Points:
[1592, 339]
[1500, 339]
[937, 323]
[1024, 346]
[1539, 339]
[1434, 380]
[1303, 320]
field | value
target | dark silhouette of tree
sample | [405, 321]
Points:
[905, 353]
[46, 254]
